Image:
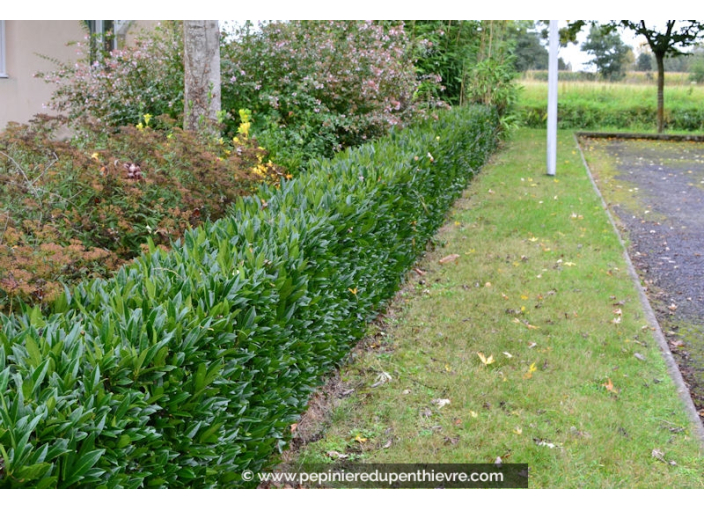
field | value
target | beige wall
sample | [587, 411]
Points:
[21, 95]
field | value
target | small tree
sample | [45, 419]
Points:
[610, 54]
[201, 43]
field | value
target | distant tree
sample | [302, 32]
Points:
[644, 62]
[609, 51]
[529, 51]
[696, 68]
[670, 40]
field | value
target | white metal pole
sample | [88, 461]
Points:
[552, 98]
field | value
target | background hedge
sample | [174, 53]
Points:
[190, 365]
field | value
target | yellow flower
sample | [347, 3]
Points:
[147, 118]
[244, 129]
[140, 126]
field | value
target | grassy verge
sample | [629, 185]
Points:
[530, 346]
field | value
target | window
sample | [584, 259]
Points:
[3, 69]
[102, 40]
[106, 35]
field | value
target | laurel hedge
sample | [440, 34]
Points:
[191, 364]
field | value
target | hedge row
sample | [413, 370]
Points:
[593, 115]
[189, 366]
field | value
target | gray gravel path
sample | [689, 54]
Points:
[664, 222]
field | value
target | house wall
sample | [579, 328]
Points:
[21, 94]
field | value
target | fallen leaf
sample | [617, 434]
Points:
[473, 414]
[486, 361]
[487, 284]
[419, 271]
[294, 426]
[360, 439]
[440, 402]
[658, 454]
[610, 386]
[388, 444]
[531, 345]
[531, 369]
[570, 264]
[336, 455]
[449, 258]
[518, 430]
[542, 442]
[508, 354]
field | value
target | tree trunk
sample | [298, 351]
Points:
[201, 41]
[660, 59]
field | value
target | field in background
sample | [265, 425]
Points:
[614, 105]
[632, 77]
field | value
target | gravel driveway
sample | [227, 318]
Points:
[656, 190]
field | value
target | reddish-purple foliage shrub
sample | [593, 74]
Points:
[80, 208]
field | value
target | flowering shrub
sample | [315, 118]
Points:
[316, 87]
[122, 86]
[313, 87]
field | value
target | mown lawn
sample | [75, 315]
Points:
[520, 337]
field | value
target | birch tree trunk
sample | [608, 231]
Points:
[201, 41]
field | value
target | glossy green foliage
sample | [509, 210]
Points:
[190, 365]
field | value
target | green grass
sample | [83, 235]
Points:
[609, 106]
[536, 285]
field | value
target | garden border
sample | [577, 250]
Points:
[672, 367]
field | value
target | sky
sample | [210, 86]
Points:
[572, 54]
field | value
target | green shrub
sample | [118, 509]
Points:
[190, 365]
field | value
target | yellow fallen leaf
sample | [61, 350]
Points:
[473, 414]
[518, 430]
[360, 439]
[570, 264]
[531, 369]
[485, 360]
[524, 297]
[533, 239]
[353, 291]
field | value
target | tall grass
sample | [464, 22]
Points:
[599, 105]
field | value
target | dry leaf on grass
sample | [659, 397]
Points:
[485, 360]
[440, 402]
[449, 258]
[610, 387]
